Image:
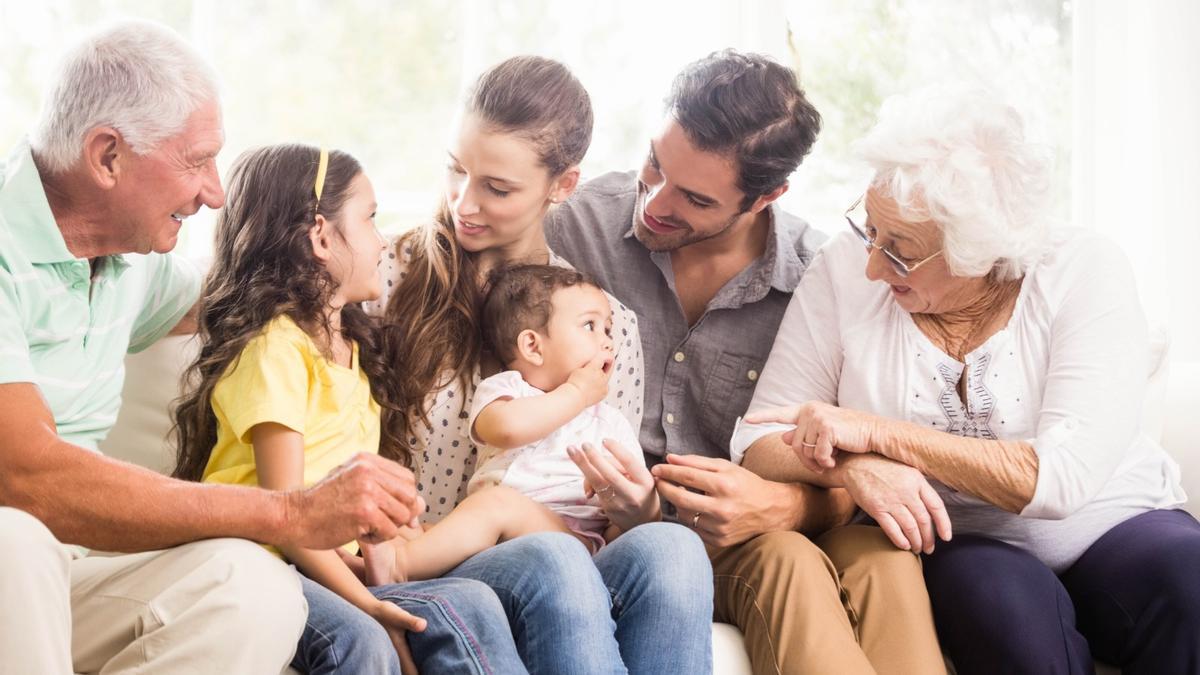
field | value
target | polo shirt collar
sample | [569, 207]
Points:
[27, 211]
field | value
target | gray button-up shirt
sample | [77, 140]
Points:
[699, 378]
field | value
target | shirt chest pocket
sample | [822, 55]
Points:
[728, 389]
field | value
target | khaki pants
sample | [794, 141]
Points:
[215, 606]
[849, 603]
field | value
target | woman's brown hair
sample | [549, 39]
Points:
[264, 267]
[434, 311]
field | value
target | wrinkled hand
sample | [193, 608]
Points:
[821, 431]
[620, 480]
[592, 379]
[368, 498]
[734, 503]
[900, 499]
[397, 623]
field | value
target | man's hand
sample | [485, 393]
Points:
[592, 379]
[368, 498]
[735, 504]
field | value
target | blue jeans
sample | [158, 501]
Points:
[466, 631]
[642, 605]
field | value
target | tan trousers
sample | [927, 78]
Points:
[215, 606]
[849, 603]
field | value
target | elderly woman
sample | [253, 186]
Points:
[987, 372]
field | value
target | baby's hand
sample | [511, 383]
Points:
[592, 379]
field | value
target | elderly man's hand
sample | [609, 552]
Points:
[821, 431]
[368, 498]
[909, 511]
[733, 504]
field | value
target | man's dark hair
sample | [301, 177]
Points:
[520, 298]
[750, 108]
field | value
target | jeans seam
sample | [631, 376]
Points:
[617, 607]
[453, 618]
[337, 661]
[762, 617]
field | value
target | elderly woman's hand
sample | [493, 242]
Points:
[821, 430]
[621, 481]
[909, 511]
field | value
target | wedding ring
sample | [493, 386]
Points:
[808, 445]
[603, 491]
[696, 520]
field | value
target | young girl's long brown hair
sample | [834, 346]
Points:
[264, 267]
[433, 314]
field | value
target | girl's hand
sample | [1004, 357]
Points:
[397, 623]
[900, 499]
[592, 379]
[821, 431]
[621, 481]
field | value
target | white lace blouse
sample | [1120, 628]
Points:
[1066, 374]
[445, 454]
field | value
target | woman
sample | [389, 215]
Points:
[1004, 362]
[516, 151]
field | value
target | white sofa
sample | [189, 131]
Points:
[140, 436]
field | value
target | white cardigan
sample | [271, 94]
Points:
[1067, 374]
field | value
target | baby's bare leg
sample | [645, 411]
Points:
[486, 518]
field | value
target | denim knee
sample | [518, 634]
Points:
[674, 557]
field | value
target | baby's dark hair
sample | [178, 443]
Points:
[520, 298]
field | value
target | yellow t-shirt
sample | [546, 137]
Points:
[282, 377]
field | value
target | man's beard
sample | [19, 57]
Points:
[685, 236]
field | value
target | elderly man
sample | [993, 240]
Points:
[124, 152]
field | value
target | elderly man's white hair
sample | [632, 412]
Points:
[958, 156]
[139, 77]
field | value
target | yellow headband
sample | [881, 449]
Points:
[322, 166]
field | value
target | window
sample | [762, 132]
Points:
[382, 79]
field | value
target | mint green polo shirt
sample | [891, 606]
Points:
[65, 331]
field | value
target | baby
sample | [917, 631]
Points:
[552, 329]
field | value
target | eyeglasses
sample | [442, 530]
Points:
[902, 268]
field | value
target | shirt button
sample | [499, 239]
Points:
[679, 357]
[670, 418]
[752, 375]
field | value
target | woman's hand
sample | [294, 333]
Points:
[621, 481]
[821, 430]
[899, 498]
[397, 623]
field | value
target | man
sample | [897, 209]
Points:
[696, 244]
[124, 152]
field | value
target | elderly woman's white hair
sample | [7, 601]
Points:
[958, 156]
[139, 77]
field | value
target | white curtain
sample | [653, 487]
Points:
[1137, 149]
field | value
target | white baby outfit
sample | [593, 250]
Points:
[542, 470]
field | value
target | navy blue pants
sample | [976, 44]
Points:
[1132, 600]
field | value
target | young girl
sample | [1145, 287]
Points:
[290, 380]
[553, 330]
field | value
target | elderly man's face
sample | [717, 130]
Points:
[929, 289]
[171, 183]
